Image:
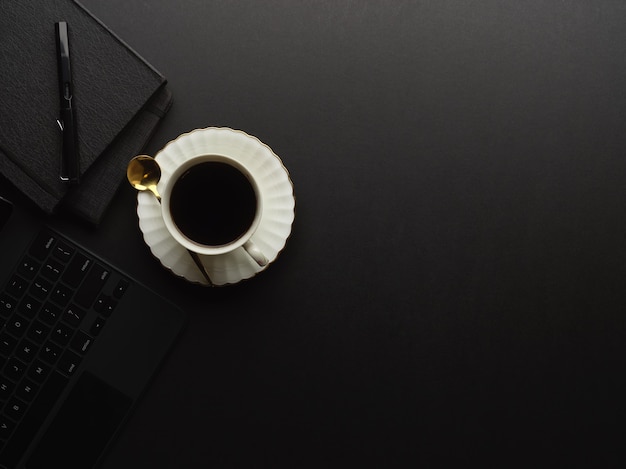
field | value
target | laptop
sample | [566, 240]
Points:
[79, 343]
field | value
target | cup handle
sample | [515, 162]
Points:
[255, 253]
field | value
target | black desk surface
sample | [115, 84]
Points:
[454, 286]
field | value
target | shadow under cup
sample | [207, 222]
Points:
[211, 204]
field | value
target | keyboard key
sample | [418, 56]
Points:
[98, 306]
[40, 288]
[38, 371]
[63, 252]
[14, 369]
[93, 283]
[17, 325]
[73, 315]
[34, 417]
[77, 270]
[110, 306]
[81, 342]
[15, 408]
[6, 388]
[16, 286]
[121, 288]
[69, 362]
[50, 352]
[61, 294]
[52, 270]
[28, 267]
[61, 334]
[38, 332]
[6, 427]
[26, 351]
[50, 313]
[97, 325]
[27, 390]
[7, 344]
[7, 305]
[42, 245]
[29, 306]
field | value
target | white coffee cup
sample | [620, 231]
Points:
[212, 205]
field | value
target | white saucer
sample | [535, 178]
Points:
[276, 191]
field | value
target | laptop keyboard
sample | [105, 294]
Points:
[51, 311]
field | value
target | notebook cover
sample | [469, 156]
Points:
[118, 98]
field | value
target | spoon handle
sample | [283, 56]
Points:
[198, 261]
[194, 255]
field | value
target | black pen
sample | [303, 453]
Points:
[69, 158]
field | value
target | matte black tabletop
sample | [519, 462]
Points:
[453, 289]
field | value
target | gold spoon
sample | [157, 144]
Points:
[143, 173]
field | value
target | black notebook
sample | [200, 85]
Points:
[118, 99]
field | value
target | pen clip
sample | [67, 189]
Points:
[63, 172]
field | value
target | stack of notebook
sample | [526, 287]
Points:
[118, 100]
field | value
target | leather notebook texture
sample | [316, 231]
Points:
[118, 100]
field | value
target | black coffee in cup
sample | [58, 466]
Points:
[213, 203]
